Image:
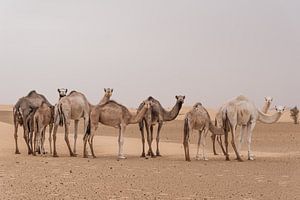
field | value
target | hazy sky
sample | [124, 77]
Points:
[209, 51]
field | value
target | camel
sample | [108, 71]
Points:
[198, 119]
[115, 115]
[240, 111]
[265, 109]
[43, 117]
[157, 115]
[74, 107]
[22, 109]
[62, 92]
[268, 101]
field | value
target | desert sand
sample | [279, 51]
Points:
[275, 174]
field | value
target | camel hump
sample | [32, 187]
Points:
[31, 93]
[242, 98]
[150, 98]
[73, 91]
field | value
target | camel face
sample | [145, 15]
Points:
[269, 99]
[280, 109]
[62, 92]
[108, 92]
[180, 99]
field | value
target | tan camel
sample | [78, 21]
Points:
[115, 115]
[240, 111]
[157, 115]
[74, 106]
[22, 109]
[198, 119]
[43, 117]
[265, 109]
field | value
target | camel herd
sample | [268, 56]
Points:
[35, 113]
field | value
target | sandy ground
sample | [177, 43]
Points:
[275, 174]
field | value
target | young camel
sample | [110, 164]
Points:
[62, 92]
[74, 107]
[115, 115]
[198, 119]
[21, 111]
[157, 115]
[265, 109]
[240, 111]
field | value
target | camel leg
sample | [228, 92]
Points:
[43, 141]
[186, 145]
[149, 129]
[141, 125]
[50, 138]
[91, 141]
[85, 140]
[219, 139]
[54, 140]
[203, 143]
[67, 131]
[26, 138]
[157, 138]
[121, 141]
[198, 145]
[16, 137]
[226, 146]
[241, 138]
[233, 133]
[250, 131]
[76, 122]
[35, 142]
[213, 138]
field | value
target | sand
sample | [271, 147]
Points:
[275, 174]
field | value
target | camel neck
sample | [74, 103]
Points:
[172, 114]
[215, 130]
[268, 119]
[104, 99]
[266, 107]
[138, 116]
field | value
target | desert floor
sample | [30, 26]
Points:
[275, 174]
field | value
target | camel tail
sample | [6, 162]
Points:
[88, 128]
[61, 115]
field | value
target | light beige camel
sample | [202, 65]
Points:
[265, 109]
[198, 119]
[240, 111]
[157, 115]
[22, 109]
[115, 115]
[74, 106]
[43, 117]
[267, 104]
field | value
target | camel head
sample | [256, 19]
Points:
[108, 92]
[268, 99]
[280, 109]
[62, 92]
[180, 99]
[148, 104]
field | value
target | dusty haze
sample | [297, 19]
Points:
[209, 51]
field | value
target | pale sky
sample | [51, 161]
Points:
[209, 51]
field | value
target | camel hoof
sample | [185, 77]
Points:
[227, 159]
[216, 154]
[189, 160]
[198, 158]
[85, 156]
[17, 152]
[94, 156]
[251, 158]
[143, 155]
[158, 155]
[121, 157]
[73, 155]
[240, 160]
[55, 155]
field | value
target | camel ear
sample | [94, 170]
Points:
[112, 90]
[283, 108]
[276, 108]
[176, 97]
[66, 91]
[57, 90]
[183, 97]
[104, 89]
[265, 98]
